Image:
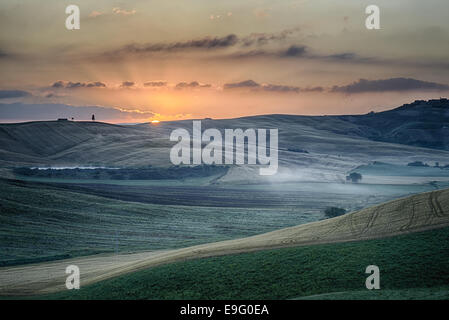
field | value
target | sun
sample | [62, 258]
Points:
[155, 121]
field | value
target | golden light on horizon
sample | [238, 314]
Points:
[155, 121]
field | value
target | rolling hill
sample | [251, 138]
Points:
[417, 213]
[155, 216]
[412, 266]
[310, 148]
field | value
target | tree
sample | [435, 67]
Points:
[331, 212]
[417, 164]
[354, 177]
[93, 117]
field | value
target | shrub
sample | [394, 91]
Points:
[354, 177]
[331, 212]
[417, 164]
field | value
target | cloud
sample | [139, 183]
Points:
[352, 57]
[262, 38]
[299, 51]
[252, 85]
[52, 95]
[8, 94]
[74, 85]
[95, 14]
[58, 84]
[3, 54]
[115, 12]
[206, 43]
[127, 84]
[155, 84]
[119, 11]
[28, 112]
[295, 51]
[242, 84]
[248, 54]
[393, 84]
[96, 84]
[343, 56]
[280, 88]
[302, 52]
[193, 84]
[313, 89]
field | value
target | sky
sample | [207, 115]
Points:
[136, 60]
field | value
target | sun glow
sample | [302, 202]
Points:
[155, 121]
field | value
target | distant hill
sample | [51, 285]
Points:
[329, 145]
[421, 123]
[44, 138]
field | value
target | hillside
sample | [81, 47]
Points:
[310, 148]
[408, 215]
[421, 123]
[412, 266]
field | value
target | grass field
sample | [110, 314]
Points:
[433, 293]
[411, 266]
[43, 223]
[52, 221]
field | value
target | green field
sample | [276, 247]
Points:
[41, 222]
[412, 266]
[433, 293]
[49, 221]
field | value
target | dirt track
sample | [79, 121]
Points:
[417, 213]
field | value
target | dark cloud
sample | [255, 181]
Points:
[295, 51]
[96, 84]
[193, 84]
[58, 84]
[7, 94]
[313, 89]
[299, 51]
[250, 54]
[252, 85]
[127, 84]
[51, 95]
[6, 54]
[265, 38]
[343, 56]
[280, 88]
[74, 85]
[393, 84]
[245, 48]
[352, 57]
[155, 84]
[28, 112]
[206, 43]
[242, 84]
[3, 54]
